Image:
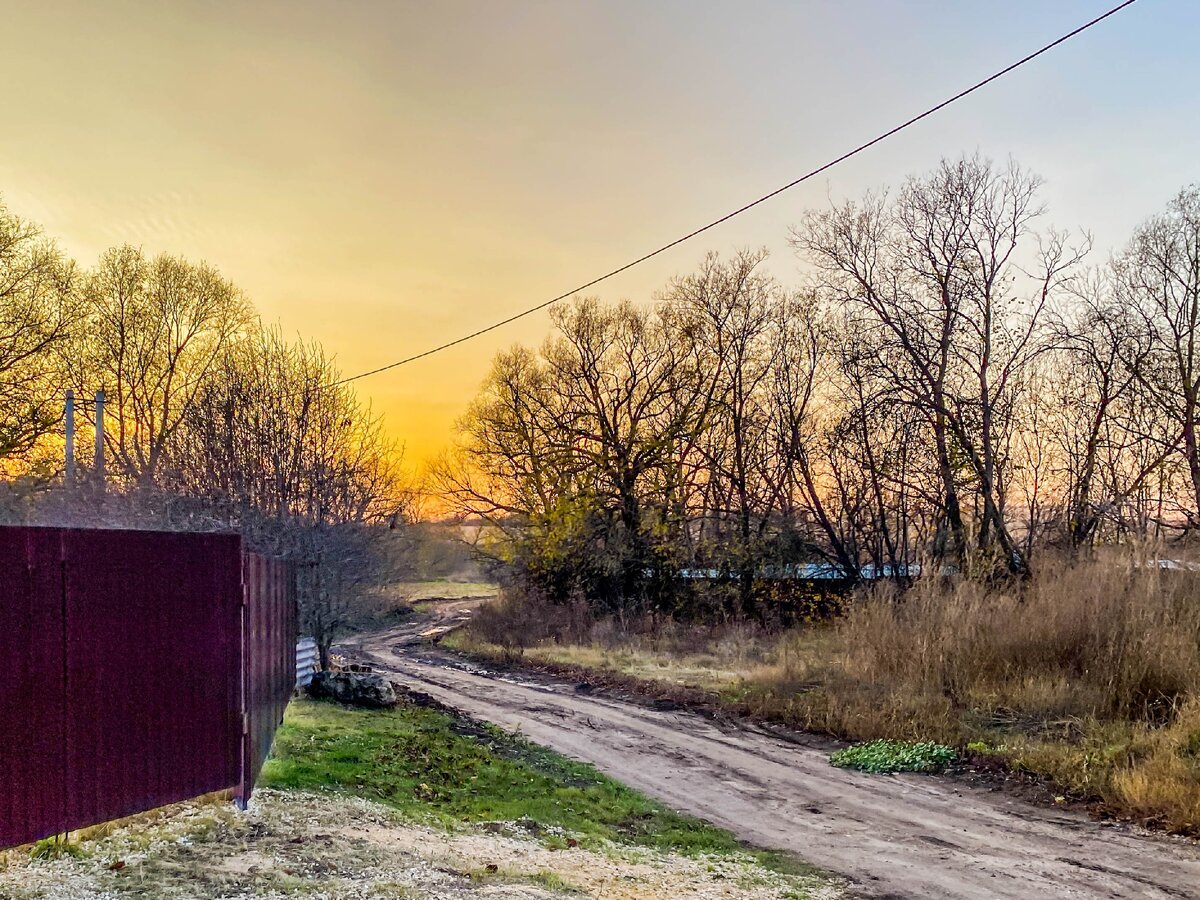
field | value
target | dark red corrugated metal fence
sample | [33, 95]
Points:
[270, 669]
[137, 671]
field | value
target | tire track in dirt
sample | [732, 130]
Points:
[893, 836]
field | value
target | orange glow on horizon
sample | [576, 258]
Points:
[386, 177]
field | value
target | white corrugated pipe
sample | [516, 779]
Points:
[306, 661]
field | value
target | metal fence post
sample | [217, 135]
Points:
[100, 440]
[70, 419]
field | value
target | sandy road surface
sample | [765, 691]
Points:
[894, 836]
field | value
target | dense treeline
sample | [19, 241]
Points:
[953, 384]
[212, 419]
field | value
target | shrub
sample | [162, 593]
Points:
[522, 620]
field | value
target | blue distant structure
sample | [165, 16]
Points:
[833, 572]
[813, 572]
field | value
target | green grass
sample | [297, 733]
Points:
[435, 768]
[55, 848]
[894, 756]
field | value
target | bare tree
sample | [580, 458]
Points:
[934, 279]
[731, 313]
[152, 329]
[37, 310]
[270, 445]
[1090, 380]
[1158, 281]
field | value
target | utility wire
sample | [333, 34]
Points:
[737, 212]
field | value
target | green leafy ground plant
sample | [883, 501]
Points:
[882, 757]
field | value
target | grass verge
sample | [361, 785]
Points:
[439, 769]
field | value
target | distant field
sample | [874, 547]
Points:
[417, 591]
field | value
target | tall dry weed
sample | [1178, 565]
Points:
[1161, 780]
[1102, 638]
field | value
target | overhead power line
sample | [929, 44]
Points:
[741, 209]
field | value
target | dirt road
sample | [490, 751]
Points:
[894, 836]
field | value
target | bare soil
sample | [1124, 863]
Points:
[892, 836]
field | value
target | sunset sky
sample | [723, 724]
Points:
[386, 176]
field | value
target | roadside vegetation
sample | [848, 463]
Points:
[1088, 674]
